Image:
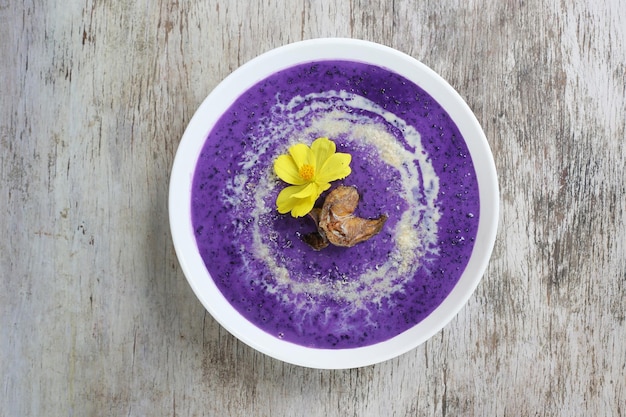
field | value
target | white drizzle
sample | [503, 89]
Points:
[332, 114]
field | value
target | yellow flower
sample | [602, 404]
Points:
[309, 171]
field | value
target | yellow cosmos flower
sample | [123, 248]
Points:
[309, 171]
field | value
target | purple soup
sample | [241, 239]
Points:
[409, 161]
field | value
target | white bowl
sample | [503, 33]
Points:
[220, 100]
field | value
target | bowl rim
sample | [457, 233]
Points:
[220, 99]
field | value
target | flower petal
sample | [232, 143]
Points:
[283, 201]
[303, 206]
[297, 199]
[322, 148]
[336, 167]
[286, 169]
[309, 190]
[323, 186]
[302, 155]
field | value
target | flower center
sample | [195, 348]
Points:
[307, 172]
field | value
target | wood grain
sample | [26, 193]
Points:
[96, 316]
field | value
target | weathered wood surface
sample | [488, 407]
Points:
[96, 317]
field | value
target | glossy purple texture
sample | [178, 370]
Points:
[223, 234]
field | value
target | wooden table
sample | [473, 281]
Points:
[96, 317]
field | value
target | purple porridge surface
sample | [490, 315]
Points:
[322, 322]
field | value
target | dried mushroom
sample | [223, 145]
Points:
[337, 224]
